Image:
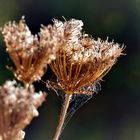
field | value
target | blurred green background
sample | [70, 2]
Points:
[114, 113]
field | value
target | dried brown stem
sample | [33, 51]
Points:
[62, 118]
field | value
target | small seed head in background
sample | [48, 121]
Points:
[29, 53]
[18, 106]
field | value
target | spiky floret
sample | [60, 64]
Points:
[18, 106]
[29, 53]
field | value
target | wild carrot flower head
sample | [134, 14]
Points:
[83, 61]
[29, 54]
[18, 106]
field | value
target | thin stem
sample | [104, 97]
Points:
[62, 118]
[26, 85]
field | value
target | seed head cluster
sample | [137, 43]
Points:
[78, 61]
[18, 106]
[30, 53]
[83, 60]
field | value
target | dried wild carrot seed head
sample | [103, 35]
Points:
[18, 106]
[82, 63]
[29, 54]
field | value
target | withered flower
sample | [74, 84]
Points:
[80, 63]
[18, 106]
[84, 62]
[29, 53]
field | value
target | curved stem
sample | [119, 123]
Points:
[62, 117]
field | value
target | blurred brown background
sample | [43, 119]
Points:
[114, 113]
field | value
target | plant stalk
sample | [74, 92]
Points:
[62, 117]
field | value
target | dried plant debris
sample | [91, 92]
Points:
[30, 53]
[18, 106]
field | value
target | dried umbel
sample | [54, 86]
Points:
[80, 63]
[29, 53]
[18, 106]
[84, 63]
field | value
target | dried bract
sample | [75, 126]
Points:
[18, 106]
[29, 54]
